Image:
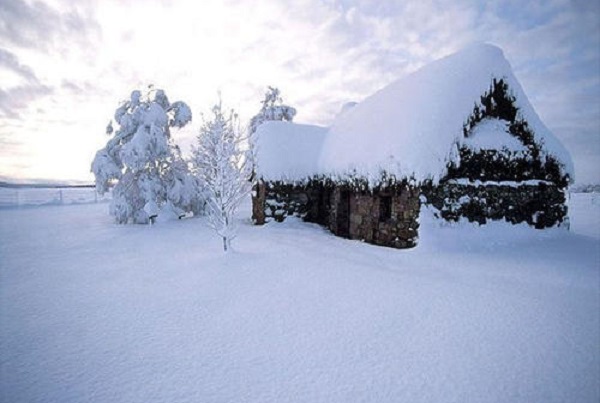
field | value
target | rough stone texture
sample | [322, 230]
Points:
[357, 215]
[541, 206]
[276, 201]
[347, 213]
[399, 229]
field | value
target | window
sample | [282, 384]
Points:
[385, 208]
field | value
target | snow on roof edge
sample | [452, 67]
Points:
[287, 151]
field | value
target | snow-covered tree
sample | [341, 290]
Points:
[220, 161]
[272, 109]
[142, 162]
[184, 192]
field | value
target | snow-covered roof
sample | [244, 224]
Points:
[408, 128]
[287, 151]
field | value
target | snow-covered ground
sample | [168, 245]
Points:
[95, 312]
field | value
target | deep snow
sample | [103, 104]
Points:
[93, 311]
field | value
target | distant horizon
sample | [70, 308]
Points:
[15, 182]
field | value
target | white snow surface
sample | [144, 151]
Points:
[409, 127]
[288, 151]
[493, 134]
[92, 311]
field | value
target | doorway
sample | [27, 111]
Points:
[343, 214]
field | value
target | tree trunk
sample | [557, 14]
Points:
[225, 244]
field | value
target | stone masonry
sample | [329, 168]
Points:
[347, 213]
[398, 228]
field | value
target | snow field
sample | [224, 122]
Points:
[93, 311]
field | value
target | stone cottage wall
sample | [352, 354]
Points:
[276, 201]
[538, 203]
[357, 216]
[365, 221]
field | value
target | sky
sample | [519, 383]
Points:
[66, 65]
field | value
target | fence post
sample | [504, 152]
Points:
[60, 195]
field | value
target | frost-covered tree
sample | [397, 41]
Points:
[220, 161]
[272, 109]
[142, 162]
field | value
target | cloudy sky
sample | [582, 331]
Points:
[65, 65]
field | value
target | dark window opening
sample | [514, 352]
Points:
[343, 214]
[385, 208]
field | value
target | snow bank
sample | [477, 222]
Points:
[288, 151]
[409, 127]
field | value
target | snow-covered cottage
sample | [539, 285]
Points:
[458, 134]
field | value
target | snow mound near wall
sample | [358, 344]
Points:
[409, 127]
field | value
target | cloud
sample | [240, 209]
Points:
[43, 36]
[10, 62]
[7, 142]
[17, 97]
[14, 100]
[36, 25]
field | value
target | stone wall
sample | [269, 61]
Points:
[538, 203]
[398, 228]
[390, 218]
[276, 201]
[347, 213]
